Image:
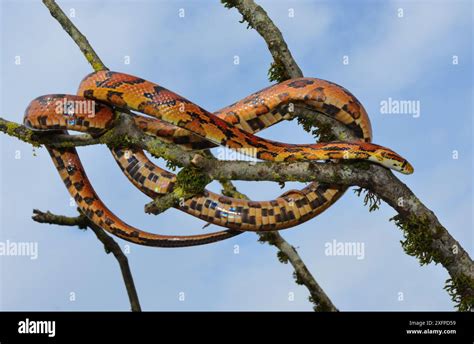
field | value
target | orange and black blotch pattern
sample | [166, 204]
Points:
[74, 177]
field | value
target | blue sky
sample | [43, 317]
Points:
[408, 58]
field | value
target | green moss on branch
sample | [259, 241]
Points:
[277, 72]
[20, 132]
[190, 181]
[370, 199]
[419, 238]
[461, 291]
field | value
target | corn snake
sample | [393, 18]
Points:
[177, 120]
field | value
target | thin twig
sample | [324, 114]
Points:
[110, 245]
[287, 253]
[75, 34]
[284, 66]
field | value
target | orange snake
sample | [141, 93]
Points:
[177, 120]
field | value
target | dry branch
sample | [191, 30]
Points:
[110, 245]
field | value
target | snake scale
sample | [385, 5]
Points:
[177, 120]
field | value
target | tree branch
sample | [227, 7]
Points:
[110, 245]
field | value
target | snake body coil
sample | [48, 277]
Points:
[177, 120]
